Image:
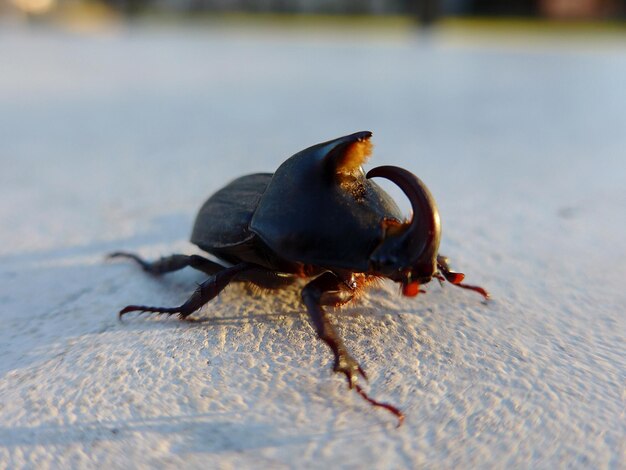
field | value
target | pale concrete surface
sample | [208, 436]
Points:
[112, 141]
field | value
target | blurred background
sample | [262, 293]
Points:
[101, 100]
[422, 11]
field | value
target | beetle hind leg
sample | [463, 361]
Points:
[171, 263]
[203, 294]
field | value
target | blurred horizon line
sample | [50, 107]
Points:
[98, 14]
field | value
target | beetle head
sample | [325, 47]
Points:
[408, 251]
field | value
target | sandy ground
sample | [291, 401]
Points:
[112, 140]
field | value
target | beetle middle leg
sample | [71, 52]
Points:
[203, 294]
[172, 263]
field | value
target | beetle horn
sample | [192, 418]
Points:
[422, 233]
[345, 155]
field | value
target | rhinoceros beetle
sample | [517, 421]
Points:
[321, 218]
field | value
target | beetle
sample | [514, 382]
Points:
[321, 218]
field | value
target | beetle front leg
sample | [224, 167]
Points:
[456, 278]
[328, 289]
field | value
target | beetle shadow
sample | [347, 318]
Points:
[269, 306]
[136, 323]
[162, 230]
[254, 305]
[51, 296]
[201, 433]
[79, 294]
[260, 303]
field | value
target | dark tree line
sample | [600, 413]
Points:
[427, 11]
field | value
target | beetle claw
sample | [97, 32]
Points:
[348, 366]
[392, 409]
[363, 374]
[127, 309]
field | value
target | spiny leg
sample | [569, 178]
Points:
[203, 294]
[455, 278]
[172, 263]
[328, 289]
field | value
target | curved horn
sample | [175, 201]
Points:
[423, 232]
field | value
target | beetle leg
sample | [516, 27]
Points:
[203, 294]
[456, 278]
[328, 289]
[172, 263]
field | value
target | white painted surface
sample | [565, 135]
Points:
[112, 141]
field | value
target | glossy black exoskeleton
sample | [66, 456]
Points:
[319, 217]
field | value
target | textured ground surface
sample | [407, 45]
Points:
[112, 140]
